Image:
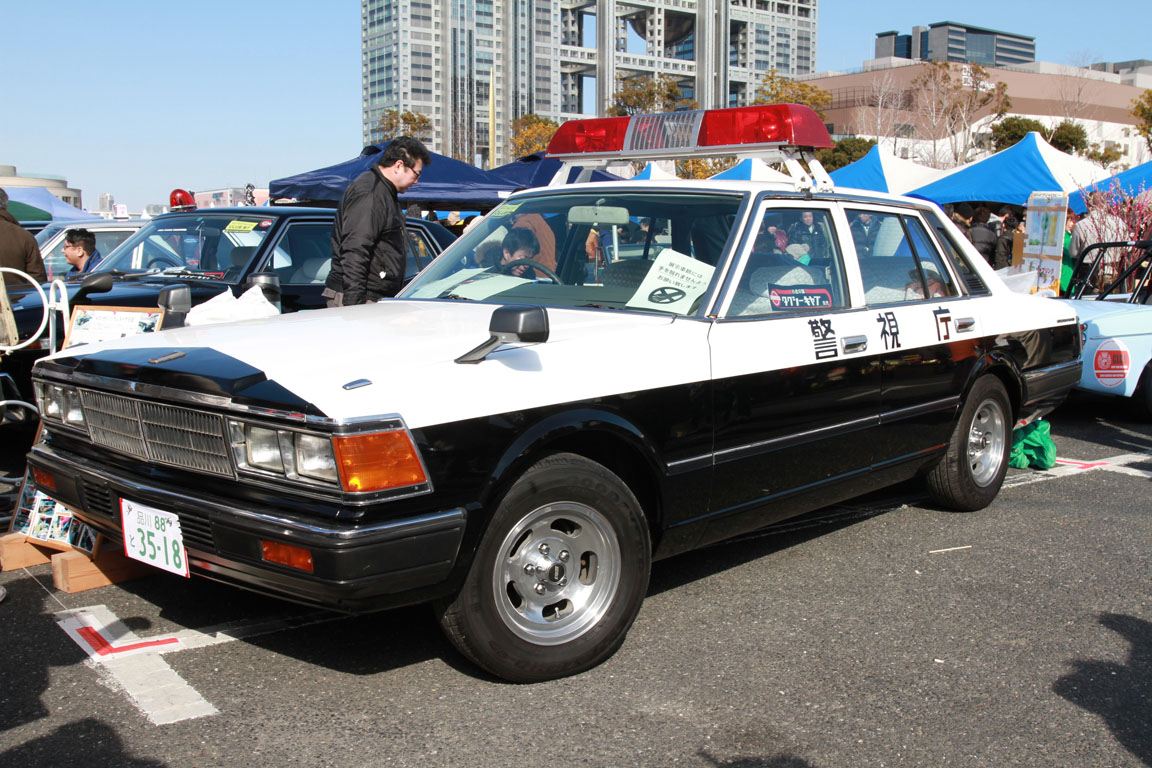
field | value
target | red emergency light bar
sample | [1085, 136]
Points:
[737, 130]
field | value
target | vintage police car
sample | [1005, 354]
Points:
[516, 437]
[1116, 329]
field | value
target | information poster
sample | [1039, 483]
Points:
[1044, 242]
[91, 324]
[673, 284]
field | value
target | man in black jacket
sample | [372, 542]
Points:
[18, 249]
[369, 242]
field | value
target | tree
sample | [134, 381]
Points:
[643, 94]
[952, 98]
[1105, 157]
[395, 123]
[531, 133]
[845, 151]
[1011, 129]
[880, 114]
[777, 89]
[1142, 111]
[1070, 137]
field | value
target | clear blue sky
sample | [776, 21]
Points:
[135, 98]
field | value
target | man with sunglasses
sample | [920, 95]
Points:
[368, 239]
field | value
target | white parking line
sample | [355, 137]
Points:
[1069, 467]
[134, 665]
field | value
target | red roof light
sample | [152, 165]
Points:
[789, 124]
[601, 134]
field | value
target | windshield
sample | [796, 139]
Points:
[214, 246]
[649, 250]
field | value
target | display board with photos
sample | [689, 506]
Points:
[42, 518]
[93, 323]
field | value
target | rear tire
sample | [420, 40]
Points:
[559, 576]
[972, 471]
[1142, 397]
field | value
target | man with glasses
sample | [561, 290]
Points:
[369, 242]
[80, 251]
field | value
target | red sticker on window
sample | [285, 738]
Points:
[799, 298]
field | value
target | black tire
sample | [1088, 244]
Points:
[972, 470]
[518, 615]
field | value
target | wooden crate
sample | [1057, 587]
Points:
[18, 551]
[75, 571]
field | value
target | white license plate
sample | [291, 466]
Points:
[153, 536]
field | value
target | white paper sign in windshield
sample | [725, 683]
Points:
[673, 283]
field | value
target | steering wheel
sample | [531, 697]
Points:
[162, 262]
[507, 269]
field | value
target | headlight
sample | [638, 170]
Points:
[60, 404]
[314, 457]
[262, 449]
[293, 455]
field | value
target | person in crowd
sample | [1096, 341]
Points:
[80, 251]
[1002, 254]
[962, 218]
[369, 244]
[982, 235]
[18, 249]
[805, 232]
[864, 228]
[520, 244]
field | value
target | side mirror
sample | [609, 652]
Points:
[97, 282]
[176, 301]
[508, 325]
[269, 284]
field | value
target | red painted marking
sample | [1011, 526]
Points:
[1082, 464]
[105, 648]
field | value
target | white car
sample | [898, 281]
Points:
[517, 436]
[109, 234]
[1116, 330]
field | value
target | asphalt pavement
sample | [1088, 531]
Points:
[879, 633]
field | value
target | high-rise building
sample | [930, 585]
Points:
[474, 66]
[959, 43]
[106, 201]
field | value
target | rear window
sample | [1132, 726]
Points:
[956, 256]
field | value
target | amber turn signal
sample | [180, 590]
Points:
[377, 461]
[286, 554]
[43, 479]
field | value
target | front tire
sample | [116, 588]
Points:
[559, 576]
[972, 471]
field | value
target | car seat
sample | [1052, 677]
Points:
[628, 273]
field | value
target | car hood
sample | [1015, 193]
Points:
[398, 357]
[1115, 315]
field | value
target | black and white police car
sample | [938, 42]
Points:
[661, 365]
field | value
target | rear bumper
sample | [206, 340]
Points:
[357, 567]
[1045, 388]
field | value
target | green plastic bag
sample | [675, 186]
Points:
[1032, 446]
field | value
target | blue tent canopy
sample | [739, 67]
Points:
[536, 170]
[1011, 175]
[446, 183]
[38, 197]
[1132, 182]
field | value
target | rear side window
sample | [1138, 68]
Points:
[956, 256]
[899, 263]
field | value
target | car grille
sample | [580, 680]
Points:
[156, 432]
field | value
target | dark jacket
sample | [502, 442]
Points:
[1003, 255]
[369, 243]
[984, 238]
[18, 250]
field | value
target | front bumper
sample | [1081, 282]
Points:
[357, 567]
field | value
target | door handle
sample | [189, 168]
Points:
[964, 324]
[854, 343]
